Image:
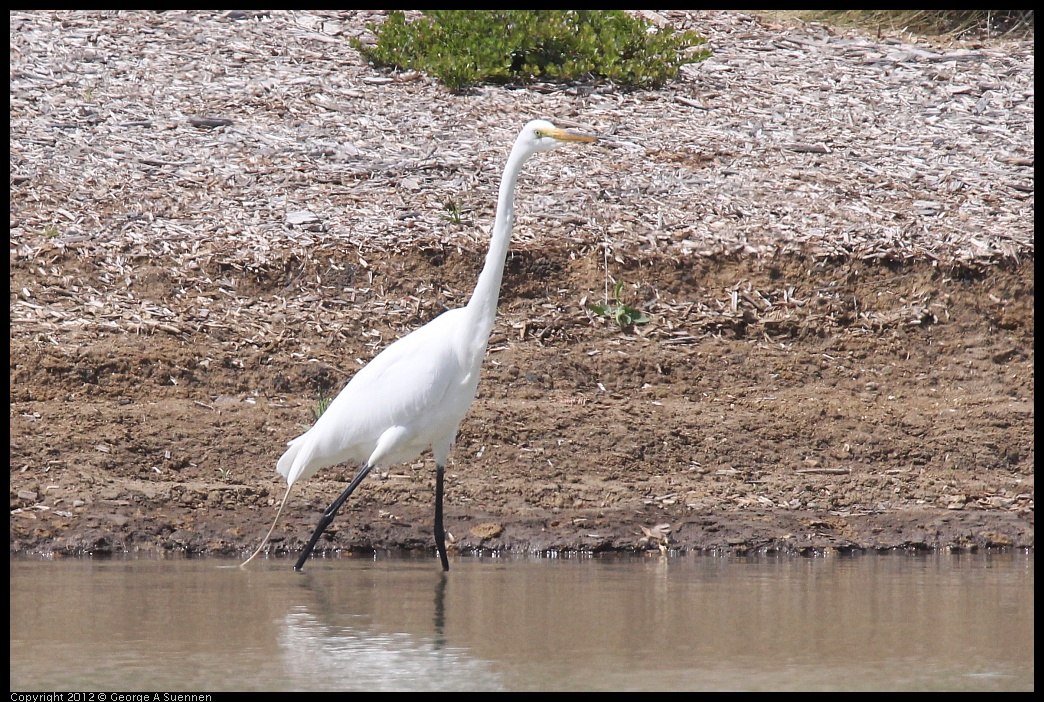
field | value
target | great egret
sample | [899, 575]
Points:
[415, 393]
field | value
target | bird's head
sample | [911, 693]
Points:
[541, 135]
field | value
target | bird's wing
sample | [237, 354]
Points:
[422, 383]
[409, 379]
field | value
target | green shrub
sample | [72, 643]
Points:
[464, 48]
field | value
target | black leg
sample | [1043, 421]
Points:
[440, 533]
[328, 516]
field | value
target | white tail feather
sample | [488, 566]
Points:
[271, 529]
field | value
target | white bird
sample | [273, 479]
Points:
[415, 393]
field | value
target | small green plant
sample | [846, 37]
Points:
[50, 231]
[623, 314]
[452, 208]
[466, 47]
[321, 404]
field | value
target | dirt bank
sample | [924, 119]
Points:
[841, 347]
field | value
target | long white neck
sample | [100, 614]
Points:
[482, 307]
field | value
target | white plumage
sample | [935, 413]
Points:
[414, 394]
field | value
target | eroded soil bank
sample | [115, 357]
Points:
[885, 407]
[217, 216]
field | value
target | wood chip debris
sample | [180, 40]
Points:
[244, 142]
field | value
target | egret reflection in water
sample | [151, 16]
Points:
[346, 658]
[322, 638]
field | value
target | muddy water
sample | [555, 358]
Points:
[941, 622]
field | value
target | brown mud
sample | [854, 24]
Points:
[889, 407]
[217, 216]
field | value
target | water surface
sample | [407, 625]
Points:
[896, 622]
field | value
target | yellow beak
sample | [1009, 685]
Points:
[573, 135]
